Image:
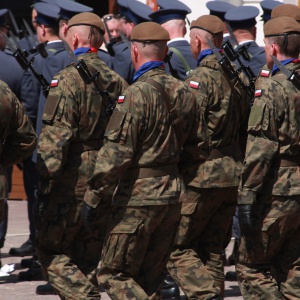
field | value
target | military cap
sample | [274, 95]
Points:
[267, 7]
[219, 8]
[287, 10]
[166, 14]
[169, 4]
[123, 7]
[138, 12]
[242, 17]
[281, 26]
[3, 14]
[69, 8]
[87, 19]
[46, 14]
[149, 32]
[209, 23]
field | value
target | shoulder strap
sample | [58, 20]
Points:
[172, 111]
[182, 59]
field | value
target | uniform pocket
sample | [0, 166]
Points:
[124, 243]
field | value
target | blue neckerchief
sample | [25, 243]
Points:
[146, 67]
[284, 62]
[81, 50]
[203, 54]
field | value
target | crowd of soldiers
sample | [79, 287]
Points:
[143, 152]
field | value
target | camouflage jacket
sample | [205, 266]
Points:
[18, 139]
[140, 135]
[74, 122]
[224, 106]
[273, 134]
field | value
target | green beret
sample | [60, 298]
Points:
[87, 19]
[286, 10]
[281, 26]
[209, 23]
[149, 32]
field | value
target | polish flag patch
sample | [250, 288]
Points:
[194, 84]
[121, 99]
[257, 93]
[264, 73]
[54, 83]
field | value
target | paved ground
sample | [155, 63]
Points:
[12, 289]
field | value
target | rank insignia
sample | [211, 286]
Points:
[194, 84]
[121, 99]
[54, 83]
[257, 93]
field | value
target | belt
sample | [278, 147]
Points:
[220, 152]
[79, 147]
[157, 171]
[290, 161]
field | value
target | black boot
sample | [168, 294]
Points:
[169, 289]
[45, 289]
[33, 273]
[25, 249]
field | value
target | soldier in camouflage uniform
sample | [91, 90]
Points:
[75, 118]
[156, 119]
[196, 262]
[18, 139]
[269, 195]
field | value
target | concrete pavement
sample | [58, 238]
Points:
[18, 232]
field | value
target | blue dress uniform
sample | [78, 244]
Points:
[243, 17]
[267, 7]
[219, 9]
[134, 12]
[182, 59]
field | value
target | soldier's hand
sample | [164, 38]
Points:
[87, 213]
[246, 220]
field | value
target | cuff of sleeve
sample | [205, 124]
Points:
[91, 199]
[246, 197]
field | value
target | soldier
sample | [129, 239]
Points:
[269, 195]
[196, 262]
[287, 10]
[173, 20]
[133, 13]
[267, 7]
[243, 24]
[156, 118]
[18, 138]
[74, 119]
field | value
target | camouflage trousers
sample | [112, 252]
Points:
[68, 253]
[137, 249]
[196, 262]
[269, 259]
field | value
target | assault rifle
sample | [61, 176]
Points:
[21, 58]
[89, 78]
[228, 69]
[167, 60]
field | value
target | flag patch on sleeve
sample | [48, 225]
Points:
[264, 73]
[194, 84]
[257, 93]
[121, 99]
[54, 83]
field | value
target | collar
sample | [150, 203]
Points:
[203, 54]
[176, 40]
[83, 50]
[54, 41]
[146, 67]
[284, 62]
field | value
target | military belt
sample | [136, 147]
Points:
[146, 172]
[290, 161]
[79, 147]
[220, 152]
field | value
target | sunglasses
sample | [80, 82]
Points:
[110, 17]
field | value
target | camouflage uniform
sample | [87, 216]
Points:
[141, 148]
[74, 123]
[196, 262]
[18, 139]
[269, 259]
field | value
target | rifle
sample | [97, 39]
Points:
[291, 75]
[89, 78]
[229, 69]
[112, 41]
[241, 49]
[21, 58]
[16, 28]
[232, 55]
[167, 60]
